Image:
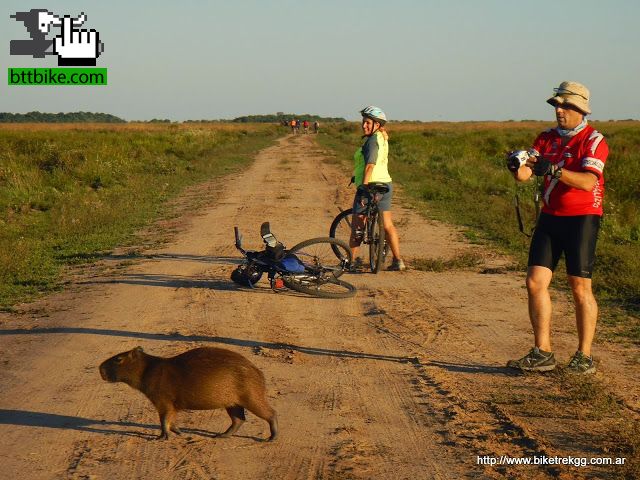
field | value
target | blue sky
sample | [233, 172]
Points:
[452, 60]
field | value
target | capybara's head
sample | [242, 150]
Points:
[124, 367]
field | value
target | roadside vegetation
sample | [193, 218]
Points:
[70, 193]
[455, 172]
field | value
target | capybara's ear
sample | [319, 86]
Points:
[135, 352]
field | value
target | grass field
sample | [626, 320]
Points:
[456, 172]
[71, 192]
[68, 193]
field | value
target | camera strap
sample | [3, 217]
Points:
[536, 202]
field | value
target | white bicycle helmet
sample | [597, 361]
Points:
[374, 113]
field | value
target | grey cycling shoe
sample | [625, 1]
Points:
[535, 361]
[397, 265]
[580, 364]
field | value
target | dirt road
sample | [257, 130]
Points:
[403, 381]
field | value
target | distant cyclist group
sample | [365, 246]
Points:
[295, 123]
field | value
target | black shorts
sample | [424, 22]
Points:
[575, 236]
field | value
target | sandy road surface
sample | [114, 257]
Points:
[396, 382]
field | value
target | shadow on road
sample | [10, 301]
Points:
[170, 281]
[178, 281]
[474, 368]
[208, 339]
[214, 260]
[51, 420]
[26, 418]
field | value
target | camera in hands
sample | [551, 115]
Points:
[517, 159]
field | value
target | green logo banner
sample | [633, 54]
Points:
[57, 76]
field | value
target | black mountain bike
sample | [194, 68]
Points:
[309, 267]
[373, 233]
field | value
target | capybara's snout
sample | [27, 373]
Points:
[115, 369]
[106, 372]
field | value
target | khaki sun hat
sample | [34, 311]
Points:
[571, 93]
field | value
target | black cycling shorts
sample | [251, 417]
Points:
[575, 236]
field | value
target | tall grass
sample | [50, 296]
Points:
[457, 172]
[69, 192]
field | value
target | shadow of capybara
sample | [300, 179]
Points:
[200, 379]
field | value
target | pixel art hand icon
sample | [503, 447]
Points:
[76, 47]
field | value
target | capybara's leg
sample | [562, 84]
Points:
[263, 410]
[164, 431]
[273, 426]
[237, 419]
[167, 416]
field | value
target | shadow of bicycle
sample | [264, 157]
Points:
[181, 281]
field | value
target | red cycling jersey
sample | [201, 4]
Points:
[586, 151]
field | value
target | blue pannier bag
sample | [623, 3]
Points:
[292, 264]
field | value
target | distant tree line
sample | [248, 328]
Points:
[279, 117]
[90, 117]
[74, 117]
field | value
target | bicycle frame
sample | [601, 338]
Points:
[372, 206]
[373, 231]
[302, 268]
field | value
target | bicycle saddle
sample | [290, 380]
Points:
[269, 238]
[378, 187]
[274, 248]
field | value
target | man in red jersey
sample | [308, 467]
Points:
[571, 158]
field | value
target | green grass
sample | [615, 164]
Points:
[456, 173]
[70, 194]
[562, 395]
[461, 261]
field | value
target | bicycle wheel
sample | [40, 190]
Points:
[341, 229]
[320, 287]
[375, 229]
[319, 258]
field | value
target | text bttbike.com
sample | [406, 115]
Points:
[57, 76]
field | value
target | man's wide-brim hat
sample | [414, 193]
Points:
[571, 93]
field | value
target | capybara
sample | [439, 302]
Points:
[200, 379]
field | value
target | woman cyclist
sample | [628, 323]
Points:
[371, 162]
